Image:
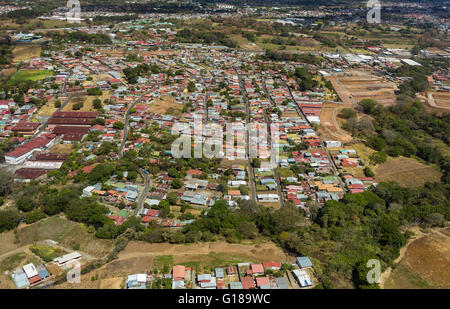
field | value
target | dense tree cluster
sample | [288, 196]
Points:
[213, 37]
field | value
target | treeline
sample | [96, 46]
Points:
[284, 56]
[5, 54]
[36, 203]
[213, 37]
[114, 19]
[305, 79]
[24, 14]
[132, 74]
[405, 129]
[79, 37]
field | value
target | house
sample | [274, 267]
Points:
[247, 283]
[302, 277]
[262, 281]
[257, 269]
[282, 283]
[272, 265]
[236, 286]
[66, 259]
[178, 272]
[219, 273]
[136, 281]
[304, 262]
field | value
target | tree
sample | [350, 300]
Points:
[256, 163]
[97, 103]
[9, 219]
[368, 106]
[172, 198]
[176, 183]
[118, 125]
[368, 172]
[347, 113]
[6, 180]
[378, 157]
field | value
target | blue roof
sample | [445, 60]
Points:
[236, 285]
[21, 280]
[304, 261]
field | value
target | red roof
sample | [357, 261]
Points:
[88, 169]
[272, 265]
[178, 272]
[247, 283]
[257, 268]
[262, 281]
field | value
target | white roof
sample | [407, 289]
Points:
[30, 270]
[65, 258]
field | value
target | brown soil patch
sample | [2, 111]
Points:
[407, 172]
[352, 89]
[166, 105]
[330, 126]
[26, 52]
[425, 263]
[62, 148]
[7, 73]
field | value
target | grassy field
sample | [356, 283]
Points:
[67, 233]
[47, 253]
[48, 108]
[12, 261]
[166, 105]
[26, 75]
[425, 264]
[407, 172]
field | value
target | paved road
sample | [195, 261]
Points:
[143, 193]
[275, 170]
[251, 176]
[125, 128]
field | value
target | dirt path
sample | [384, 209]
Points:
[418, 235]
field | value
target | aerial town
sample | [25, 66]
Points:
[207, 145]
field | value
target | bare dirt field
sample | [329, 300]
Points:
[330, 126]
[439, 100]
[7, 73]
[26, 52]
[48, 109]
[87, 102]
[407, 172]
[166, 105]
[62, 148]
[352, 89]
[424, 263]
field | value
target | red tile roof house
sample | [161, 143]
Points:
[178, 272]
[257, 269]
[247, 283]
[272, 265]
[262, 281]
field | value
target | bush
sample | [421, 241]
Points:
[347, 113]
